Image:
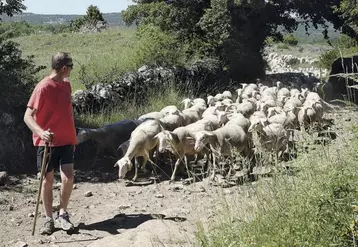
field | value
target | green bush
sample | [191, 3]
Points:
[345, 42]
[290, 39]
[283, 46]
[158, 48]
[16, 75]
[327, 58]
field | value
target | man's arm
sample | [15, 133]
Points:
[34, 127]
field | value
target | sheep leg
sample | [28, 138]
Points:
[214, 166]
[154, 172]
[145, 159]
[186, 165]
[177, 163]
[135, 169]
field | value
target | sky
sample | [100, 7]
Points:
[74, 6]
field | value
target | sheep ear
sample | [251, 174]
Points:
[156, 136]
[208, 133]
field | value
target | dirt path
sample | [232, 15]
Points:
[125, 215]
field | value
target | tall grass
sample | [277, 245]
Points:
[100, 55]
[157, 99]
[312, 208]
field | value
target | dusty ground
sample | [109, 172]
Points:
[161, 214]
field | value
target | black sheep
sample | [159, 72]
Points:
[110, 136]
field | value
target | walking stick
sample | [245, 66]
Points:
[43, 168]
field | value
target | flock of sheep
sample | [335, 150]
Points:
[258, 116]
[215, 127]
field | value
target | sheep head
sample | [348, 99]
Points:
[163, 145]
[171, 140]
[278, 84]
[211, 100]
[258, 125]
[187, 102]
[82, 136]
[223, 117]
[202, 138]
[124, 165]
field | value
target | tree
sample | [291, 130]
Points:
[11, 7]
[17, 78]
[92, 17]
[234, 31]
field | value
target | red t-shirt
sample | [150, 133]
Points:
[53, 103]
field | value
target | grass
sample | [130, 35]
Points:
[312, 208]
[103, 55]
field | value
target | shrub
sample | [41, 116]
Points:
[345, 42]
[327, 58]
[283, 46]
[290, 39]
[157, 48]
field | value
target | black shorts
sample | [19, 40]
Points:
[58, 156]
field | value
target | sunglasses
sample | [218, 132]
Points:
[70, 65]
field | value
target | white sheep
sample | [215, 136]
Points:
[221, 141]
[180, 143]
[211, 100]
[154, 115]
[272, 137]
[171, 122]
[191, 115]
[187, 103]
[171, 109]
[227, 95]
[239, 119]
[141, 143]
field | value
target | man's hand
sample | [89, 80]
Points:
[46, 135]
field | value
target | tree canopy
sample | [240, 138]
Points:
[234, 31]
[92, 17]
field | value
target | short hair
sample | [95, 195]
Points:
[60, 59]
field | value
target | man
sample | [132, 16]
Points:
[49, 116]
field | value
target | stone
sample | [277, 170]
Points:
[21, 244]
[88, 194]
[4, 178]
[159, 196]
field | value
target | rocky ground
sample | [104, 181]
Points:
[108, 213]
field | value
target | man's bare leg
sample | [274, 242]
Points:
[47, 195]
[47, 198]
[66, 186]
[66, 190]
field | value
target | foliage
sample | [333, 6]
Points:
[11, 7]
[93, 15]
[16, 74]
[342, 46]
[327, 58]
[16, 81]
[157, 48]
[345, 42]
[290, 39]
[11, 30]
[235, 31]
[311, 208]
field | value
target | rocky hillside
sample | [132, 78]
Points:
[113, 19]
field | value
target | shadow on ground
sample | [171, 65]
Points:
[123, 221]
